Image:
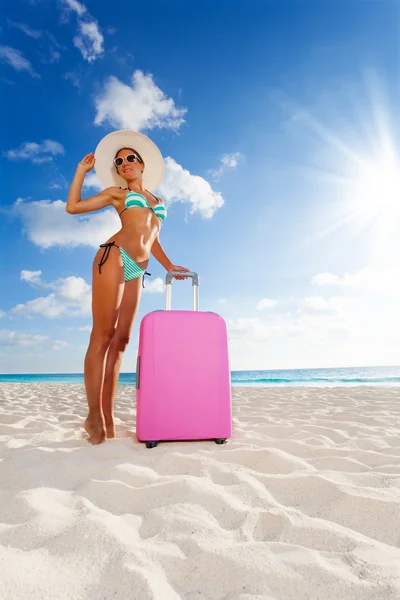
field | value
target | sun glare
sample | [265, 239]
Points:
[378, 193]
[361, 177]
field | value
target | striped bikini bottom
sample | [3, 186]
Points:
[131, 268]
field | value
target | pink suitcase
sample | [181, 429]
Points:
[183, 387]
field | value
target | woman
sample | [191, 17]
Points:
[130, 166]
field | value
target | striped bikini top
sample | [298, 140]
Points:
[136, 199]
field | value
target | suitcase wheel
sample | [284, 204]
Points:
[151, 444]
[220, 441]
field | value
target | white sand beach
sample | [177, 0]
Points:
[302, 503]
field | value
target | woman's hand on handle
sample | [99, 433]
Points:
[87, 163]
[177, 268]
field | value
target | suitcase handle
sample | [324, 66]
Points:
[170, 275]
[195, 284]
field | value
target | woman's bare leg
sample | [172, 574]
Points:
[127, 313]
[107, 293]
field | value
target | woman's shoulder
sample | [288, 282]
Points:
[115, 191]
[115, 194]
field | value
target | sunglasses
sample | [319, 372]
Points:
[132, 158]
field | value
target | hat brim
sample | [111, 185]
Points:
[125, 138]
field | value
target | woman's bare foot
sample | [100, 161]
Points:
[110, 428]
[95, 428]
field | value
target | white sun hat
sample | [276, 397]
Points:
[125, 138]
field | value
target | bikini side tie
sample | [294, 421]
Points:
[107, 249]
[145, 273]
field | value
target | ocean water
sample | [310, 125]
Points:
[376, 376]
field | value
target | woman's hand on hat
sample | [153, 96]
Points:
[87, 163]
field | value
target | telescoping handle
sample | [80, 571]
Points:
[195, 283]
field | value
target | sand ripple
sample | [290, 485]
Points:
[303, 503]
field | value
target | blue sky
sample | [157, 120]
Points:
[278, 127]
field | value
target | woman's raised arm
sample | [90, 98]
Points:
[75, 204]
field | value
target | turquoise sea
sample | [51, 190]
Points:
[377, 376]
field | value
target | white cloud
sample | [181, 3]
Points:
[58, 344]
[16, 59]
[73, 290]
[69, 297]
[249, 329]
[32, 277]
[266, 303]
[89, 40]
[139, 106]
[54, 55]
[223, 301]
[79, 8]
[379, 280]
[179, 185]
[37, 153]
[7, 81]
[332, 279]
[315, 304]
[2, 313]
[47, 224]
[290, 341]
[83, 328]
[155, 286]
[46, 306]
[360, 325]
[91, 181]
[13, 338]
[26, 29]
[73, 78]
[229, 161]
